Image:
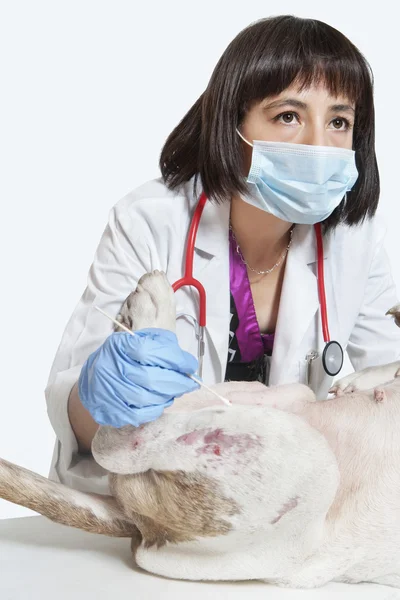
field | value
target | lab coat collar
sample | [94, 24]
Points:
[212, 234]
[305, 241]
[214, 223]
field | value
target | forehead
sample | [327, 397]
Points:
[314, 93]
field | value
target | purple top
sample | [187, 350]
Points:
[252, 343]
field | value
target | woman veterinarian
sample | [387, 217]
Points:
[281, 139]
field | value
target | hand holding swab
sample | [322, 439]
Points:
[224, 400]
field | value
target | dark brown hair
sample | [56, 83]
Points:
[263, 60]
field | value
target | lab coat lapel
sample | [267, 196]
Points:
[211, 267]
[299, 302]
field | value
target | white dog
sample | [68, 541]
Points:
[276, 487]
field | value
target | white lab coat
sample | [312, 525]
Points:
[147, 230]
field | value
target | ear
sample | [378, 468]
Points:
[173, 506]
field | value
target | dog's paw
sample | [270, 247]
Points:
[369, 378]
[152, 304]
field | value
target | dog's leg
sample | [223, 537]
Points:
[370, 377]
[91, 512]
[367, 379]
[151, 305]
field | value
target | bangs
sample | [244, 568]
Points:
[304, 52]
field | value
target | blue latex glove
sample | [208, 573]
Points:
[129, 380]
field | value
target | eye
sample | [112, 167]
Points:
[286, 118]
[339, 122]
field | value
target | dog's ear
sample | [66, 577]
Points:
[395, 312]
[173, 506]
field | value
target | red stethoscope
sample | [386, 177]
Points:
[332, 356]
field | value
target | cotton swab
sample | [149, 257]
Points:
[224, 400]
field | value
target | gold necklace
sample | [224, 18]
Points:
[238, 250]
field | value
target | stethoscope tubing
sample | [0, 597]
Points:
[188, 278]
[331, 347]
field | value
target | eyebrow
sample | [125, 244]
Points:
[298, 104]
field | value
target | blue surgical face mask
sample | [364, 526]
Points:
[299, 183]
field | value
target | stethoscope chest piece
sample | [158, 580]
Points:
[332, 358]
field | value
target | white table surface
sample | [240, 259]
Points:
[43, 561]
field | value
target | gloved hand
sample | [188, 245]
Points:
[129, 380]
